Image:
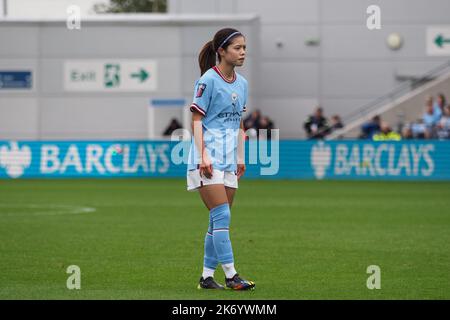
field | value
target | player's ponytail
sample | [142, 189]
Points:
[207, 57]
[209, 53]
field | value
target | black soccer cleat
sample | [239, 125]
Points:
[237, 283]
[209, 283]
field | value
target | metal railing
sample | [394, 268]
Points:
[394, 94]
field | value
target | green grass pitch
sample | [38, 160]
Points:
[295, 239]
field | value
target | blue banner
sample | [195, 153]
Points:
[15, 80]
[288, 159]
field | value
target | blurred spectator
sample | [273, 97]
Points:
[430, 119]
[386, 134]
[443, 126]
[256, 121]
[418, 129]
[266, 123]
[439, 105]
[336, 123]
[369, 129]
[316, 125]
[407, 132]
[174, 125]
[252, 121]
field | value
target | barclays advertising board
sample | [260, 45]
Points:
[284, 159]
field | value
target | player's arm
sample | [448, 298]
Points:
[205, 163]
[241, 151]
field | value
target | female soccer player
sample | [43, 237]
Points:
[220, 97]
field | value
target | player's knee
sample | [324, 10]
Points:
[221, 216]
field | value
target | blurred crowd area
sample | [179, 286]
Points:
[433, 124]
[254, 124]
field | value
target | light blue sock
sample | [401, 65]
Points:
[221, 237]
[210, 257]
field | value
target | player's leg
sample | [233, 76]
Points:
[230, 195]
[212, 196]
[216, 198]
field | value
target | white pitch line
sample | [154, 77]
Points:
[55, 209]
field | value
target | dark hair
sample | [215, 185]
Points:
[208, 54]
[441, 95]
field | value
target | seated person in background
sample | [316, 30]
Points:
[173, 125]
[407, 132]
[439, 105]
[266, 123]
[443, 126]
[336, 123]
[370, 128]
[316, 125]
[251, 124]
[386, 134]
[430, 119]
[418, 129]
[252, 121]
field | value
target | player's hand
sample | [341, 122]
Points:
[206, 168]
[240, 170]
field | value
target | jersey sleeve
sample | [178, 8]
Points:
[202, 95]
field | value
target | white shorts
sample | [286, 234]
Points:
[227, 178]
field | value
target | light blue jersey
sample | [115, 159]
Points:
[221, 102]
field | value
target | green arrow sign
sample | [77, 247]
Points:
[142, 75]
[440, 41]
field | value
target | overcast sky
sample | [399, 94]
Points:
[46, 8]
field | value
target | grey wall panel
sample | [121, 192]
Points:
[193, 38]
[357, 79]
[289, 79]
[225, 7]
[190, 73]
[282, 11]
[357, 42]
[19, 41]
[416, 68]
[19, 118]
[293, 39]
[94, 118]
[392, 11]
[110, 41]
[198, 6]
[343, 106]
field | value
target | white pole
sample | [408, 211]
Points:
[5, 8]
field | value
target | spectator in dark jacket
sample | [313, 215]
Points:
[252, 121]
[316, 125]
[174, 125]
[336, 123]
[267, 124]
[369, 129]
